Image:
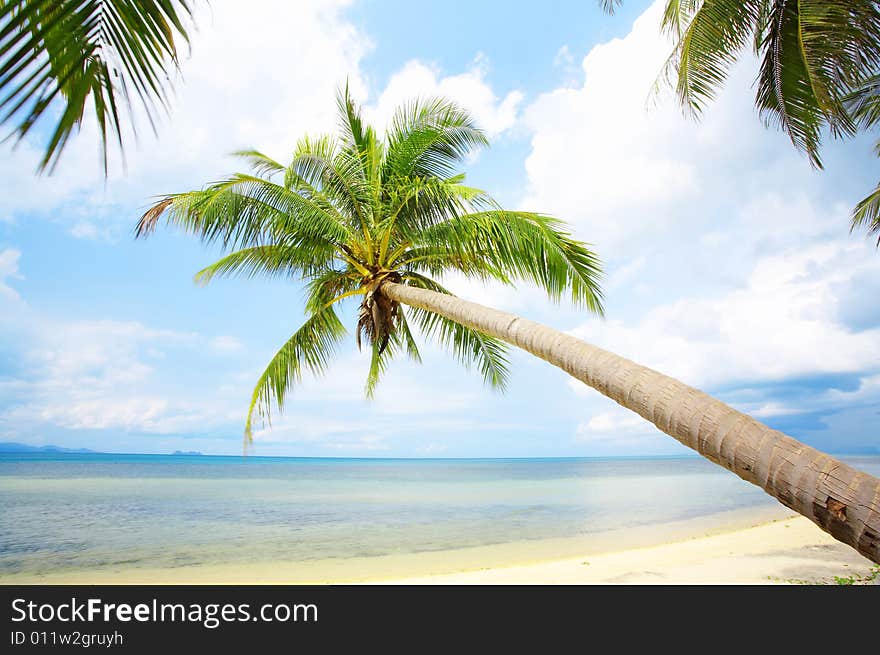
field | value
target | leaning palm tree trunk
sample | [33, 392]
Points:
[839, 499]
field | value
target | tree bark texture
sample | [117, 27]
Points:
[841, 500]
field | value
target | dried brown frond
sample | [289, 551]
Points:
[148, 221]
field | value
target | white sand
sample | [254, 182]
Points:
[790, 551]
[784, 550]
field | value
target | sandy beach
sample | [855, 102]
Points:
[789, 551]
[786, 550]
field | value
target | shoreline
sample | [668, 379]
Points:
[784, 551]
[755, 546]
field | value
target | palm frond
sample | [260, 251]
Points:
[814, 54]
[399, 339]
[707, 47]
[355, 213]
[430, 138]
[246, 211]
[378, 364]
[786, 91]
[863, 103]
[472, 264]
[406, 337]
[525, 246]
[324, 287]
[360, 139]
[322, 166]
[301, 259]
[414, 203]
[310, 347]
[468, 345]
[262, 165]
[610, 6]
[73, 51]
[377, 319]
[677, 15]
[867, 212]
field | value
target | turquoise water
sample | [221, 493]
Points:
[63, 511]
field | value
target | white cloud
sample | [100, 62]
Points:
[625, 273]
[86, 229]
[101, 375]
[563, 57]
[369, 442]
[226, 344]
[728, 257]
[612, 425]
[597, 151]
[627, 170]
[143, 414]
[418, 79]
[260, 75]
[276, 84]
[782, 322]
[433, 449]
[773, 409]
[9, 269]
[616, 430]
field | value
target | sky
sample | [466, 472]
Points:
[729, 261]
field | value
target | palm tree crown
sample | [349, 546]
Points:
[355, 210]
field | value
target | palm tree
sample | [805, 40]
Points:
[864, 106]
[819, 62]
[73, 50]
[381, 219]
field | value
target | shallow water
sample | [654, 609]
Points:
[66, 512]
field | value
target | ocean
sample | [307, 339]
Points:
[93, 512]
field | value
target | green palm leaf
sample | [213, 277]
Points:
[68, 52]
[354, 213]
[819, 70]
[520, 245]
[814, 54]
[468, 345]
[302, 259]
[609, 6]
[261, 165]
[708, 45]
[310, 347]
[430, 138]
[867, 213]
[245, 211]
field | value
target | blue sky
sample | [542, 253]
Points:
[729, 261]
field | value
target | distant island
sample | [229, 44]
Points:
[12, 447]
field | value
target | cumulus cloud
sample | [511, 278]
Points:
[596, 150]
[614, 430]
[470, 89]
[783, 322]
[102, 374]
[627, 167]
[563, 57]
[612, 425]
[729, 263]
[9, 269]
[260, 74]
[727, 257]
